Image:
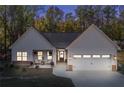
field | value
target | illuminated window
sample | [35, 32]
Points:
[77, 56]
[49, 55]
[105, 56]
[96, 56]
[21, 56]
[86, 56]
[40, 55]
[24, 56]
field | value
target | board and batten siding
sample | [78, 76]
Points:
[29, 41]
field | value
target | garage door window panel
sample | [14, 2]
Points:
[96, 56]
[86, 56]
[76, 56]
[106, 56]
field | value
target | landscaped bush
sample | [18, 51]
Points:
[11, 66]
[37, 67]
[120, 58]
[122, 68]
[8, 69]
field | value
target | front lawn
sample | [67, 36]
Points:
[14, 76]
[52, 81]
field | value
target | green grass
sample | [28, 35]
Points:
[36, 78]
[52, 81]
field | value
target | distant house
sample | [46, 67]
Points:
[90, 50]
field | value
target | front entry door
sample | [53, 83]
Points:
[61, 55]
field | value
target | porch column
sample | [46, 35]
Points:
[54, 56]
[45, 55]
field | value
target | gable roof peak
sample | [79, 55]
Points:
[90, 28]
[93, 26]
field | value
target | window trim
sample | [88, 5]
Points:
[20, 56]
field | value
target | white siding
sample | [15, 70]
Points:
[91, 42]
[92, 64]
[29, 41]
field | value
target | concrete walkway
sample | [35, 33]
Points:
[60, 69]
[91, 78]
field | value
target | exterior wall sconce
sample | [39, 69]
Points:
[115, 57]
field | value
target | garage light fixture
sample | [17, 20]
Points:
[115, 57]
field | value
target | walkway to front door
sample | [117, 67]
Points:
[60, 69]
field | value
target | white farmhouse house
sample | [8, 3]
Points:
[90, 50]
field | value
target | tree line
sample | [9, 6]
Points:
[14, 21]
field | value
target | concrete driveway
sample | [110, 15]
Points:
[92, 78]
[96, 79]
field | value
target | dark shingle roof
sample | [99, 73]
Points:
[60, 39]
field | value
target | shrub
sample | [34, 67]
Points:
[37, 67]
[11, 66]
[122, 68]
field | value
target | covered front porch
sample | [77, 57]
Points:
[42, 59]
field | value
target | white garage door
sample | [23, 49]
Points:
[92, 62]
